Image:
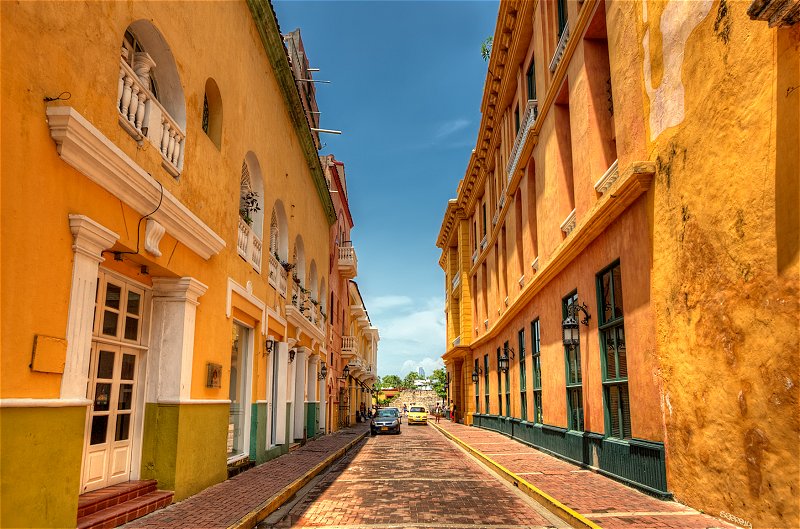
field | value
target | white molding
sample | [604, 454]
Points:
[44, 403]
[609, 177]
[275, 315]
[90, 239]
[569, 223]
[246, 293]
[192, 401]
[81, 145]
[154, 232]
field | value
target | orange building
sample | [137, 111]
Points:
[613, 279]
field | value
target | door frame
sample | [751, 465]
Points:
[137, 425]
[247, 383]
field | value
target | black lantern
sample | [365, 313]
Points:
[504, 360]
[345, 373]
[323, 371]
[269, 344]
[570, 326]
[292, 352]
[476, 373]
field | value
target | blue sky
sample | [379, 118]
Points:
[407, 79]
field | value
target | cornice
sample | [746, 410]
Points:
[267, 26]
[81, 145]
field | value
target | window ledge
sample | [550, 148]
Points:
[81, 145]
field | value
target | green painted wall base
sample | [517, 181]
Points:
[184, 446]
[636, 462]
[258, 433]
[312, 419]
[40, 466]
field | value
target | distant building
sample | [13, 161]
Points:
[421, 372]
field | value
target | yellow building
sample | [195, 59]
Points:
[621, 257]
[165, 313]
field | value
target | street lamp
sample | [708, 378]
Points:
[345, 373]
[503, 361]
[323, 372]
[269, 343]
[476, 373]
[292, 352]
[570, 324]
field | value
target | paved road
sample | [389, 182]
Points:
[415, 479]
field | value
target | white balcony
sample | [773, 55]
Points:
[560, 49]
[608, 178]
[455, 282]
[249, 245]
[277, 275]
[348, 346]
[142, 116]
[528, 121]
[457, 341]
[348, 262]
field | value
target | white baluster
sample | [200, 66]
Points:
[171, 146]
[177, 154]
[164, 136]
[140, 111]
[120, 86]
[134, 103]
[126, 96]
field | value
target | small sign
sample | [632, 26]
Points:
[214, 377]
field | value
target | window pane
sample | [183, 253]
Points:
[617, 291]
[99, 429]
[134, 302]
[123, 427]
[125, 396]
[128, 366]
[613, 411]
[102, 396]
[113, 295]
[623, 359]
[110, 320]
[605, 286]
[131, 328]
[626, 412]
[611, 359]
[105, 364]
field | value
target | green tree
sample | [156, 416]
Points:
[486, 48]
[391, 381]
[408, 382]
[439, 377]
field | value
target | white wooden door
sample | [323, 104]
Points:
[112, 390]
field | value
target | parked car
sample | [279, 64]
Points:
[387, 420]
[417, 415]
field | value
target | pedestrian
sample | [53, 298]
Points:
[405, 409]
[453, 416]
[437, 414]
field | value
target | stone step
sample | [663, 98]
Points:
[97, 500]
[127, 511]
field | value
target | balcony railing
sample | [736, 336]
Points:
[274, 266]
[249, 245]
[608, 178]
[474, 256]
[528, 120]
[455, 281]
[483, 243]
[348, 345]
[457, 341]
[560, 49]
[143, 116]
[348, 262]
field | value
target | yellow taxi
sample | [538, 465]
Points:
[417, 415]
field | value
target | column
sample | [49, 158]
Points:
[301, 369]
[169, 363]
[89, 241]
[281, 356]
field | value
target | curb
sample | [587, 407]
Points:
[572, 517]
[251, 519]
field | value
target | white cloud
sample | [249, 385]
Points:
[412, 335]
[381, 303]
[451, 127]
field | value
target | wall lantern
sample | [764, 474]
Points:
[570, 324]
[323, 372]
[269, 344]
[345, 373]
[292, 352]
[476, 374]
[503, 361]
[375, 389]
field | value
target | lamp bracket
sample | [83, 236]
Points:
[574, 308]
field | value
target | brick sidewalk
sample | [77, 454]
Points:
[249, 497]
[602, 500]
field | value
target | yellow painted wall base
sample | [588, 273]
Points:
[40, 466]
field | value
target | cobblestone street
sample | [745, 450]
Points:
[415, 479]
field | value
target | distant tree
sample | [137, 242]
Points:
[439, 377]
[408, 382]
[486, 48]
[391, 381]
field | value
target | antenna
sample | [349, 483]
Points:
[328, 131]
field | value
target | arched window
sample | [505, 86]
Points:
[299, 260]
[312, 280]
[150, 97]
[212, 112]
[251, 194]
[274, 233]
[279, 232]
